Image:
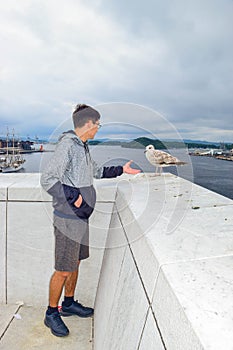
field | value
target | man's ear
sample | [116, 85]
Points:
[89, 124]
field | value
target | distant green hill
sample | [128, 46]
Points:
[142, 142]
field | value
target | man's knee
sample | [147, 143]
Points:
[63, 274]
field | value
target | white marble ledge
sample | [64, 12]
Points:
[160, 210]
[26, 187]
[167, 190]
[200, 233]
[21, 186]
[204, 290]
[166, 193]
[8, 180]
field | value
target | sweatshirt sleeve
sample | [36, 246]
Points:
[56, 168]
[106, 172]
[112, 171]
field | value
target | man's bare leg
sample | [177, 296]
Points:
[56, 285]
[69, 306]
[71, 282]
[52, 317]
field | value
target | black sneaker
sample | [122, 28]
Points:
[55, 323]
[76, 309]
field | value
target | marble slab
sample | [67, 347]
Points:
[179, 229]
[28, 188]
[165, 197]
[205, 232]
[109, 277]
[99, 224]
[203, 291]
[151, 338]
[177, 331]
[147, 264]
[5, 181]
[105, 190]
[3, 252]
[129, 309]
[90, 268]
[29, 332]
[6, 314]
[30, 252]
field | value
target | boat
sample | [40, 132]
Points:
[13, 162]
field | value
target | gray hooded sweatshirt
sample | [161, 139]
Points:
[68, 174]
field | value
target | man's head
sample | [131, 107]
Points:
[86, 121]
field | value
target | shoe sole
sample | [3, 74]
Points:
[67, 314]
[54, 333]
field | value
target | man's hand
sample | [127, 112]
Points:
[128, 170]
[78, 202]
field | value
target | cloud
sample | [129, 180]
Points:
[174, 57]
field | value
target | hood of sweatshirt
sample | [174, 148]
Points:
[70, 134]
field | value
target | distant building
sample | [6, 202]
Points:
[26, 145]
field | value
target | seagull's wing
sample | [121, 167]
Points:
[162, 157]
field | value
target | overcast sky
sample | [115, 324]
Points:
[174, 57]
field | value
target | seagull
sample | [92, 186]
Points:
[161, 159]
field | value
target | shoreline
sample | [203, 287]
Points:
[221, 157]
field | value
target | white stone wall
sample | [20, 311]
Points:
[160, 270]
[27, 241]
[168, 284]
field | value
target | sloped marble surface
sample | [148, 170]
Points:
[128, 313]
[109, 277]
[179, 224]
[151, 338]
[204, 290]
[205, 232]
[167, 197]
[147, 264]
[177, 331]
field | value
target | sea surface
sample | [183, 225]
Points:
[211, 173]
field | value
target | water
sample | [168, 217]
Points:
[211, 173]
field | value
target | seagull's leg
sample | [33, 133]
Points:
[161, 170]
[157, 170]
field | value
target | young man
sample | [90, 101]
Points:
[69, 179]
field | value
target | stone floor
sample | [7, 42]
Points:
[26, 330]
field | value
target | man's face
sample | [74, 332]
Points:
[93, 128]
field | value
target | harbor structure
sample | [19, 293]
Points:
[11, 161]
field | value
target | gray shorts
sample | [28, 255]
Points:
[69, 252]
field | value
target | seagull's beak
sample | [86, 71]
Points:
[145, 151]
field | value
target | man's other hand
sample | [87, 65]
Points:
[128, 170]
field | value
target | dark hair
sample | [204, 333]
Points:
[82, 114]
